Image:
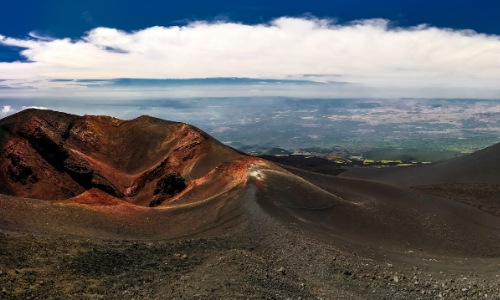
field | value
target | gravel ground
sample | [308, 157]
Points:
[230, 267]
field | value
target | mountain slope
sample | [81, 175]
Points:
[478, 167]
[152, 179]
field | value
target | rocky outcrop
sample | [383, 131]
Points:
[169, 185]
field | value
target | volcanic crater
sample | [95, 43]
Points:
[146, 161]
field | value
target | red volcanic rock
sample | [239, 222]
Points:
[54, 156]
[95, 197]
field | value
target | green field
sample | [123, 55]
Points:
[409, 154]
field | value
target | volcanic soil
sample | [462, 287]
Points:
[94, 207]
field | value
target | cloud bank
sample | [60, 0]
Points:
[367, 53]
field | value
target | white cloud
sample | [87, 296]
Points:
[35, 107]
[39, 36]
[369, 53]
[7, 110]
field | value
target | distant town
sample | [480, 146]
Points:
[380, 132]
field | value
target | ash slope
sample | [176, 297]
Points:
[471, 179]
[97, 176]
[478, 167]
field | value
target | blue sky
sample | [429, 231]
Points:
[355, 48]
[60, 18]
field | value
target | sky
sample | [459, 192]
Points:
[307, 49]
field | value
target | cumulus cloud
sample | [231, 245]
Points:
[369, 53]
[7, 110]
